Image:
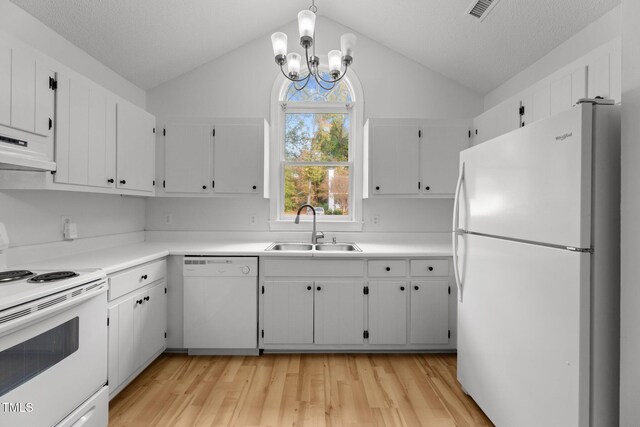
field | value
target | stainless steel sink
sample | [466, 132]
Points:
[290, 247]
[338, 247]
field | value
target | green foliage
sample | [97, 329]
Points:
[316, 138]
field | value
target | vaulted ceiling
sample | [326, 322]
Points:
[152, 41]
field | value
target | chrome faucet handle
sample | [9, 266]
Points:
[334, 241]
[319, 235]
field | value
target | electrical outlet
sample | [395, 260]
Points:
[252, 219]
[64, 220]
[375, 219]
[168, 219]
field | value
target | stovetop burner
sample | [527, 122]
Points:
[10, 276]
[52, 277]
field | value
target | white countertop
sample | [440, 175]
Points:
[121, 257]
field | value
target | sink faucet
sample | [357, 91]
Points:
[314, 236]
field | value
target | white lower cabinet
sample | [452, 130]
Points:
[137, 322]
[339, 312]
[430, 312]
[288, 312]
[388, 312]
[357, 304]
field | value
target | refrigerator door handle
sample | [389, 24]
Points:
[456, 231]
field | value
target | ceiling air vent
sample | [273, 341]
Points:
[481, 8]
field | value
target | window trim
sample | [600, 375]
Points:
[279, 108]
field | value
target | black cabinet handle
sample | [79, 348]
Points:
[147, 298]
[144, 277]
[430, 269]
[110, 181]
[377, 187]
[427, 188]
[388, 268]
[254, 187]
[402, 288]
[416, 287]
[139, 301]
[318, 288]
[308, 288]
[122, 181]
[204, 187]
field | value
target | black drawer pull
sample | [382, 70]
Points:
[430, 269]
[122, 181]
[308, 288]
[388, 268]
[416, 287]
[318, 288]
[402, 288]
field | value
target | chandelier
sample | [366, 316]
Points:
[337, 58]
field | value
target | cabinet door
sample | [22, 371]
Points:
[78, 131]
[339, 313]
[150, 323]
[101, 154]
[441, 146]
[187, 159]
[23, 90]
[128, 311]
[288, 312]
[395, 150]
[45, 99]
[5, 83]
[135, 148]
[237, 158]
[388, 312]
[113, 315]
[599, 78]
[429, 312]
[501, 119]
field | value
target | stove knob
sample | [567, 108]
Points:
[245, 270]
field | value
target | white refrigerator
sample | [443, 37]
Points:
[536, 260]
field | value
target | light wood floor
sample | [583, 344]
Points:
[298, 390]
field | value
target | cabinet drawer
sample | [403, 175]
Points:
[430, 267]
[387, 268]
[122, 283]
[313, 268]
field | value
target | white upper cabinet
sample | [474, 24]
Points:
[214, 156]
[413, 158]
[395, 154]
[85, 133]
[5, 83]
[135, 141]
[237, 158]
[187, 160]
[442, 142]
[597, 74]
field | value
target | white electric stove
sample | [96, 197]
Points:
[53, 348]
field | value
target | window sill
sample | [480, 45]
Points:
[289, 225]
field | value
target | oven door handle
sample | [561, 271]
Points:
[21, 322]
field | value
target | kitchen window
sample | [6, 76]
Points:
[318, 155]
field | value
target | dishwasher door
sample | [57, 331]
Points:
[220, 305]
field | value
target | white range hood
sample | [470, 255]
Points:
[25, 162]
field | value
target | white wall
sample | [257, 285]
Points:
[630, 251]
[602, 30]
[239, 84]
[33, 217]
[19, 24]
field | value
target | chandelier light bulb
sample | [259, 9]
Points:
[293, 61]
[279, 42]
[306, 27]
[347, 45]
[335, 62]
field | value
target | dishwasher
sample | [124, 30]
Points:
[220, 305]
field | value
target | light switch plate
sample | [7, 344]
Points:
[4, 237]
